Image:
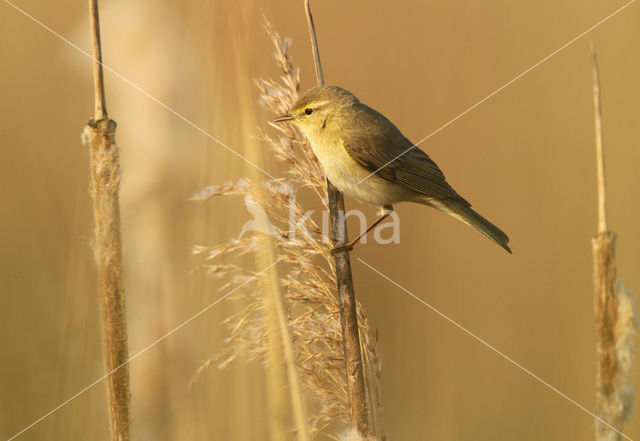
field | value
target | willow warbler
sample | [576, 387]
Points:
[366, 157]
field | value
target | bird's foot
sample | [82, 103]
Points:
[346, 247]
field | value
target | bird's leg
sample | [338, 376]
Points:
[384, 213]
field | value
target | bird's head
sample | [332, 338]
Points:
[315, 108]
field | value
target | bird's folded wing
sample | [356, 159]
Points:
[393, 157]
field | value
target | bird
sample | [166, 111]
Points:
[368, 158]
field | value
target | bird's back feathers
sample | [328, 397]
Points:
[391, 156]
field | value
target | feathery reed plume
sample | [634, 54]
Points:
[306, 268]
[614, 307]
[278, 341]
[99, 136]
[278, 336]
[358, 412]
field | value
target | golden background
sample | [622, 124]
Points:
[524, 158]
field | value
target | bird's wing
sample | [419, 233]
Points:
[391, 156]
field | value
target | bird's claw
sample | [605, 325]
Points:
[346, 247]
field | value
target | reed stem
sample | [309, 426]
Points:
[99, 137]
[610, 377]
[358, 412]
[98, 77]
[597, 106]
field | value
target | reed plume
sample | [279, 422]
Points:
[614, 307]
[306, 269]
[278, 339]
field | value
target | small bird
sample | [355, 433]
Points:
[367, 157]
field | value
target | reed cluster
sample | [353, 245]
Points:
[306, 270]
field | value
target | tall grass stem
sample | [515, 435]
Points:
[597, 107]
[99, 137]
[280, 345]
[358, 412]
[614, 306]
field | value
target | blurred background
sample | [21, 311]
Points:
[524, 158]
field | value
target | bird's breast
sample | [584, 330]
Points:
[351, 178]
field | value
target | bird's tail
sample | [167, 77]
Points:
[469, 216]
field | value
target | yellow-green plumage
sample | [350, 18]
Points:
[366, 157]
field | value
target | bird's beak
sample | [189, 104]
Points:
[283, 118]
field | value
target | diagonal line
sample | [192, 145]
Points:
[181, 325]
[139, 89]
[502, 87]
[497, 351]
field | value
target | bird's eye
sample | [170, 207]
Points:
[308, 111]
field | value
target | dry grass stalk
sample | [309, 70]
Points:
[307, 270]
[99, 137]
[278, 339]
[614, 308]
[358, 412]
